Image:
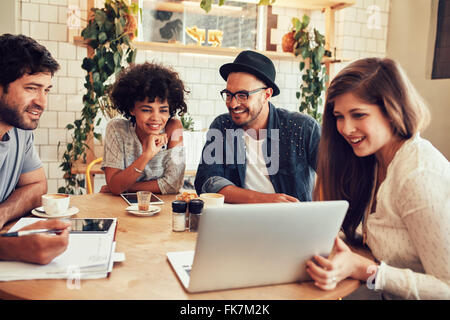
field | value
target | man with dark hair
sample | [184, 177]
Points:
[26, 74]
[257, 152]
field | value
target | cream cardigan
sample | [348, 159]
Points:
[410, 230]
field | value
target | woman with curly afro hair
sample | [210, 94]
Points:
[145, 150]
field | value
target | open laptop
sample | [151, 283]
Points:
[258, 244]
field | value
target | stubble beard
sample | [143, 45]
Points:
[11, 115]
[253, 114]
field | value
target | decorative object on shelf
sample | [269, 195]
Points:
[172, 28]
[215, 37]
[288, 41]
[311, 46]
[196, 34]
[108, 34]
[207, 4]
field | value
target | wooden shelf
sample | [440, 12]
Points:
[315, 4]
[194, 49]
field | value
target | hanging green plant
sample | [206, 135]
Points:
[207, 4]
[187, 122]
[109, 32]
[311, 46]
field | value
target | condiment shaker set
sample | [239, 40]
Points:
[181, 210]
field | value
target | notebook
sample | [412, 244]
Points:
[257, 244]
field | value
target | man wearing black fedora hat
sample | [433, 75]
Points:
[257, 152]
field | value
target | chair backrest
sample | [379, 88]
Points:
[88, 174]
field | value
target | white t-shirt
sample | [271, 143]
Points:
[256, 174]
[410, 229]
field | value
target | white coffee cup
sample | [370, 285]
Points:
[55, 203]
[212, 199]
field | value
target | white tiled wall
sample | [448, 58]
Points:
[45, 20]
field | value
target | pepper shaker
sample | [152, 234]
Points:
[195, 212]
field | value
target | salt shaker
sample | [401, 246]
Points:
[179, 215]
[195, 212]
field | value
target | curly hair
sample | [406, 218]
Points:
[152, 81]
[20, 54]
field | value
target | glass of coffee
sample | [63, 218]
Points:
[143, 200]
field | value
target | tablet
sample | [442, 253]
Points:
[90, 225]
[131, 199]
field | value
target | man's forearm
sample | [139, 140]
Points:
[21, 201]
[234, 194]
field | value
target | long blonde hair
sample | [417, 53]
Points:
[341, 175]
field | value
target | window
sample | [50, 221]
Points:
[441, 63]
[232, 25]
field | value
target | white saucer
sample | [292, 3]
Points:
[152, 210]
[70, 212]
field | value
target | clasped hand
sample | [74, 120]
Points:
[153, 144]
[328, 272]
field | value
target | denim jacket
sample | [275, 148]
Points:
[290, 150]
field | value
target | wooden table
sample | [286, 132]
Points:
[146, 272]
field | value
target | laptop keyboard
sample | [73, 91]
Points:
[187, 268]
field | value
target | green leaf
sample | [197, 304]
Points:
[102, 37]
[296, 24]
[62, 190]
[100, 17]
[90, 32]
[119, 27]
[96, 77]
[98, 88]
[88, 64]
[101, 62]
[206, 5]
[117, 58]
[98, 136]
[132, 56]
[305, 21]
[69, 126]
[302, 65]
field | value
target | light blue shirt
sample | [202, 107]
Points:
[17, 156]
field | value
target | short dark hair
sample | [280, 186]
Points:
[20, 54]
[152, 81]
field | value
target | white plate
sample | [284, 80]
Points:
[70, 212]
[151, 211]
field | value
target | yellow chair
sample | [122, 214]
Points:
[88, 174]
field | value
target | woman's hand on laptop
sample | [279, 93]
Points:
[327, 273]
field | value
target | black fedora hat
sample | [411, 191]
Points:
[254, 63]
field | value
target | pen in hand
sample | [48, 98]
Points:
[28, 232]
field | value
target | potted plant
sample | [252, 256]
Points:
[109, 33]
[310, 45]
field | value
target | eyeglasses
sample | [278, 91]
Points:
[241, 96]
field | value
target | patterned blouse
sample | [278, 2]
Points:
[122, 148]
[410, 230]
